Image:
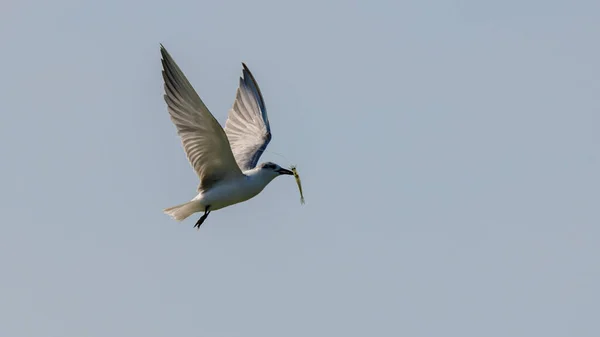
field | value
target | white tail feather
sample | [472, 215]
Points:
[180, 212]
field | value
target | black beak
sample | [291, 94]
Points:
[284, 171]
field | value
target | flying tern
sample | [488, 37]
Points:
[225, 160]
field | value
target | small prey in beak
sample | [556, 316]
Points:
[297, 176]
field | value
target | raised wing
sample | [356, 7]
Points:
[203, 139]
[247, 126]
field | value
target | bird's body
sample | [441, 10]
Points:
[224, 159]
[224, 193]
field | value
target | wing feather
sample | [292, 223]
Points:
[247, 125]
[204, 140]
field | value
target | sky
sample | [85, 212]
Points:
[449, 153]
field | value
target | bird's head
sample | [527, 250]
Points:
[276, 169]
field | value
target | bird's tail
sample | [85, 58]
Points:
[180, 212]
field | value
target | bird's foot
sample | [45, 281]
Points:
[203, 217]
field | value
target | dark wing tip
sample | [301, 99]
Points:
[247, 72]
[167, 61]
[247, 77]
[164, 53]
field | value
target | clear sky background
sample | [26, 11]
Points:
[449, 152]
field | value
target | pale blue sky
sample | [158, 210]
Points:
[449, 151]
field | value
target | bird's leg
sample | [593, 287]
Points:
[203, 217]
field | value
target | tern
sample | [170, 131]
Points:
[225, 160]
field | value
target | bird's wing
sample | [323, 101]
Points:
[204, 141]
[247, 126]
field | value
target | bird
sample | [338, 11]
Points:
[225, 159]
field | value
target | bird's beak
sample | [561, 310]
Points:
[284, 171]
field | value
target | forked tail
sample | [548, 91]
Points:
[180, 212]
